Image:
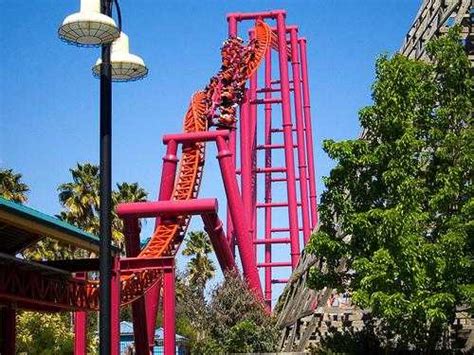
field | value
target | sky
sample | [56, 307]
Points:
[49, 99]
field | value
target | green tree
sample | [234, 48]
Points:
[126, 192]
[12, 187]
[80, 199]
[238, 317]
[200, 268]
[231, 320]
[397, 215]
[44, 333]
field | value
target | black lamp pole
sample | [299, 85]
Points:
[105, 256]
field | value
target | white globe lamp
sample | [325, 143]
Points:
[125, 66]
[88, 27]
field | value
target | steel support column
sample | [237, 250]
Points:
[214, 228]
[168, 177]
[169, 325]
[288, 140]
[246, 164]
[232, 24]
[253, 149]
[115, 308]
[140, 315]
[268, 178]
[80, 327]
[239, 219]
[302, 166]
[309, 134]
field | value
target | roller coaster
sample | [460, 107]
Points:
[228, 113]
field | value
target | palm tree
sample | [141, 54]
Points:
[126, 192]
[80, 198]
[200, 268]
[11, 186]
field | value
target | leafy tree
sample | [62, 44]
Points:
[80, 198]
[11, 186]
[398, 210]
[48, 249]
[232, 317]
[237, 316]
[126, 192]
[246, 336]
[44, 333]
[200, 267]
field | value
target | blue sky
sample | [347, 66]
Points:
[49, 99]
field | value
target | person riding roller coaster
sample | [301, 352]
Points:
[226, 90]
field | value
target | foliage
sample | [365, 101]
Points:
[237, 318]
[246, 336]
[44, 333]
[48, 249]
[399, 204]
[11, 186]
[80, 199]
[231, 320]
[200, 268]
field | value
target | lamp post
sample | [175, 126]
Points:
[105, 134]
[93, 26]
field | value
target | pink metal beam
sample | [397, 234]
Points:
[288, 140]
[140, 315]
[265, 101]
[168, 174]
[275, 264]
[213, 227]
[278, 230]
[255, 15]
[272, 241]
[168, 177]
[182, 207]
[239, 219]
[80, 327]
[300, 136]
[253, 144]
[115, 309]
[274, 204]
[282, 130]
[232, 27]
[309, 136]
[169, 325]
[246, 163]
[268, 178]
[195, 137]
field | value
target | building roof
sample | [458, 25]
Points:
[21, 226]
